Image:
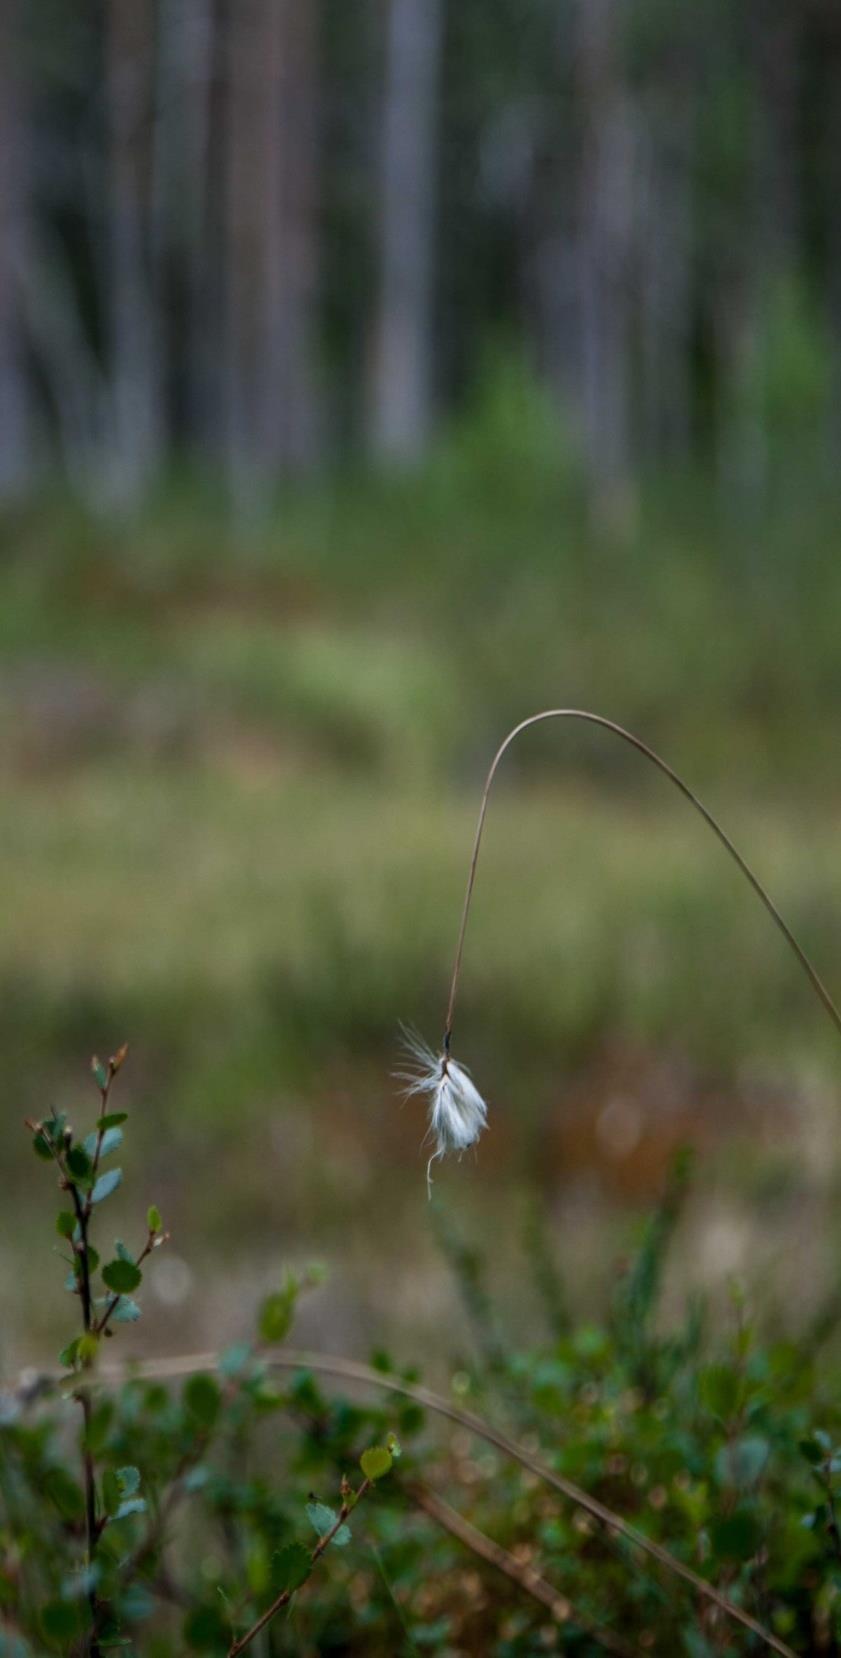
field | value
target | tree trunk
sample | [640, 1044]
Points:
[289, 406]
[770, 239]
[14, 435]
[185, 258]
[401, 390]
[271, 239]
[664, 259]
[605, 213]
[137, 393]
[830, 175]
[271, 234]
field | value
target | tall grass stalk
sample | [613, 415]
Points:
[457, 1111]
[662, 765]
[350, 1370]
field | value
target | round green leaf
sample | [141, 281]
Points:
[277, 1312]
[65, 1224]
[78, 1162]
[812, 1451]
[742, 1461]
[376, 1462]
[41, 1147]
[720, 1390]
[62, 1620]
[126, 1311]
[88, 1348]
[202, 1399]
[111, 1139]
[68, 1354]
[735, 1536]
[64, 1492]
[106, 1184]
[122, 1276]
[99, 1422]
[112, 1492]
[323, 1519]
[205, 1630]
[291, 1567]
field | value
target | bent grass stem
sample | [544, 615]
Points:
[283, 1599]
[662, 765]
[350, 1371]
[526, 1577]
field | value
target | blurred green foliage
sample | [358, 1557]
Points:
[241, 764]
[174, 1511]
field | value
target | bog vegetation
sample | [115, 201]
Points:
[628, 1486]
[258, 851]
[284, 544]
[172, 1514]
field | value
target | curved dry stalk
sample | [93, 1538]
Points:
[239, 1645]
[642, 748]
[349, 1370]
[526, 1577]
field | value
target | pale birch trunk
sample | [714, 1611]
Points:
[664, 261]
[289, 412]
[402, 358]
[138, 435]
[271, 240]
[184, 257]
[14, 433]
[605, 215]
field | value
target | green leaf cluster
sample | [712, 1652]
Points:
[719, 1444]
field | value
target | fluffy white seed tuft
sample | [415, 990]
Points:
[457, 1112]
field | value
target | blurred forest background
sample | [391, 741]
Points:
[268, 237]
[370, 376]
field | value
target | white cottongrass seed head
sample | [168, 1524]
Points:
[457, 1112]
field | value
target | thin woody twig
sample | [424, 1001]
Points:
[82, 1212]
[151, 1241]
[527, 1579]
[648, 753]
[93, 1328]
[350, 1371]
[284, 1598]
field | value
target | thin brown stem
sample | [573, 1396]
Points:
[114, 1065]
[284, 1598]
[100, 1132]
[832, 1528]
[526, 1577]
[156, 1535]
[100, 1326]
[349, 1370]
[91, 1522]
[83, 1209]
[642, 748]
[82, 1212]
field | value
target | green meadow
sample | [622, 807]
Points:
[241, 766]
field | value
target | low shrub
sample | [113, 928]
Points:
[623, 1488]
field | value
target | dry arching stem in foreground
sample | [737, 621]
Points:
[648, 753]
[457, 1111]
[283, 1599]
[526, 1578]
[349, 1370]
